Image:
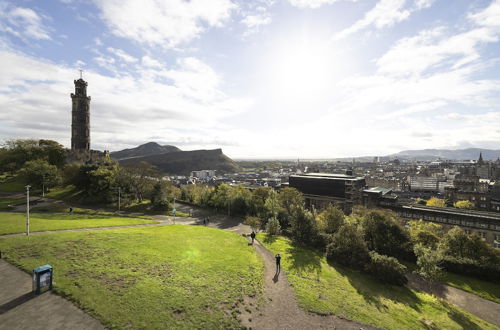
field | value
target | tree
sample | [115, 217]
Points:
[428, 260]
[289, 199]
[221, 198]
[330, 220]
[303, 227]
[436, 202]
[271, 205]
[259, 197]
[467, 205]
[141, 177]
[241, 199]
[20, 151]
[253, 222]
[159, 197]
[348, 247]
[455, 243]
[273, 227]
[39, 173]
[385, 235]
[426, 233]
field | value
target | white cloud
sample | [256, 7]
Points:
[422, 4]
[122, 55]
[385, 13]
[148, 61]
[311, 3]
[124, 110]
[438, 49]
[255, 22]
[23, 23]
[163, 23]
[489, 16]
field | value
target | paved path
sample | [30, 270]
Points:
[19, 309]
[483, 308]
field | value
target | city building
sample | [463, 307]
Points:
[322, 189]
[203, 174]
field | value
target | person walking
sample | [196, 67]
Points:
[278, 263]
[252, 235]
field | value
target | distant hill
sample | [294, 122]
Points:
[183, 162]
[460, 154]
[147, 149]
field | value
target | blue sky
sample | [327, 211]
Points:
[260, 79]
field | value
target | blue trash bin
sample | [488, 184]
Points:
[42, 279]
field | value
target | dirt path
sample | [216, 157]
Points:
[281, 310]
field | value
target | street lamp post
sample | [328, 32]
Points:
[119, 198]
[43, 185]
[28, 210]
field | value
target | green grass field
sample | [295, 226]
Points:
[325, 289]
[484, 289]
[11, 223]
[188, 277]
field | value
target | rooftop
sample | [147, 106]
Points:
[329, 175]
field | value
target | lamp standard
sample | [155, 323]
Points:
[119, 198]
[28, 210]
[43, 185]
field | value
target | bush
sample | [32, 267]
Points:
[386, 269]
[348, 247]
[162, 205]
[273, 226]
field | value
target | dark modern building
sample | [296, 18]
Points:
[80, 118]
[322, 189]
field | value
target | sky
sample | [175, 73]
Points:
[259, 79]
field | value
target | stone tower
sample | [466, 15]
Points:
[80, 114]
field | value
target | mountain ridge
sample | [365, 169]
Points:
[146, 149]
[183, 162]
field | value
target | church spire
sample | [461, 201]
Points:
[480, 161]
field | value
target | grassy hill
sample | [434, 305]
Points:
[183, 162]
[182, 277]
[332, 289]
[150, 148]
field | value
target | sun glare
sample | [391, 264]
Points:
[302, 73]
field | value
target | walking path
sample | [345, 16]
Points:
[20, 309]
[280, 310]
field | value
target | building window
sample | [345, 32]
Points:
[467, 231]
[482, 234]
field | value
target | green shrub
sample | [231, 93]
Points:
[273, 226]
[348, 247]
[386, 269]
